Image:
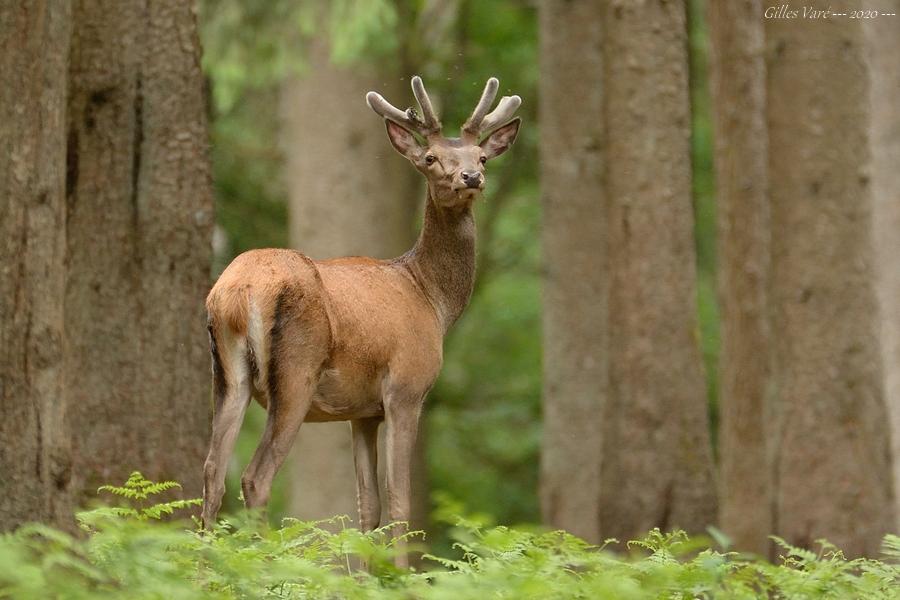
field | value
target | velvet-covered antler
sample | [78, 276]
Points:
[427, 125]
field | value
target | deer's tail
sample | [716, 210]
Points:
[229, 308]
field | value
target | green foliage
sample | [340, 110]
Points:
[360, 27]
[251, 45]
[126, 555]
[137, 491]
[247, 45]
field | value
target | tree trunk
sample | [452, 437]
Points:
[139, 227]
[657, 462]
[738, 90]
[350, 194]
[34, 460]
[884, 129]
[574, 238]
[626, 443]
[831, 430]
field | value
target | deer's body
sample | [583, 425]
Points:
[372, 323]
[355, 338]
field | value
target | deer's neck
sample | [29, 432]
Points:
[443, 259]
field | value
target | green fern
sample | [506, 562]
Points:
[129, 551]
[137, 491]
[139, 488]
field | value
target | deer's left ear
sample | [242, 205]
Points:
[501, 139]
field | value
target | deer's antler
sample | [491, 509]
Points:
[427, 125]
[481, 121]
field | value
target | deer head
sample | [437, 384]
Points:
[453, 167]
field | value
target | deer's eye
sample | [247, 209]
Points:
[429, 160]
[483, 159]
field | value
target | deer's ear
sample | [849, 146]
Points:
[403, 140]
[501, 139]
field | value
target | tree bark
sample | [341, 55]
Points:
[832, 441]
[626, 444]
[657, 462]
[741, 154]
[34, 460]
[883, 56]
[139, 227]
[349, 194]
[576, 270]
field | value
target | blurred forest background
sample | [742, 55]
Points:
[656, 339]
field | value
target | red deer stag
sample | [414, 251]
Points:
[355, 338]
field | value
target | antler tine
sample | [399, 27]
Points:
[408, 118]
[431, 121]
[387, 110]
[503, 113]
[473, 125]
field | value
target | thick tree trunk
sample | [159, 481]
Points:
[831, 429]
[139, 227]
[350, 194]
[34, 461]
[657, 460]
[738, 90]
[576, 353]
[627, 442]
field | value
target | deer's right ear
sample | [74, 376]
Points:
[403, 140]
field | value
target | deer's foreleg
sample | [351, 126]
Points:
[402, 419]
[365, 450]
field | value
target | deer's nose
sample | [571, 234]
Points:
[472, 179]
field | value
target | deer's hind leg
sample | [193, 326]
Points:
[231, 395]
[298, 347]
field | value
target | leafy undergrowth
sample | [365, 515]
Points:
[129, 552]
